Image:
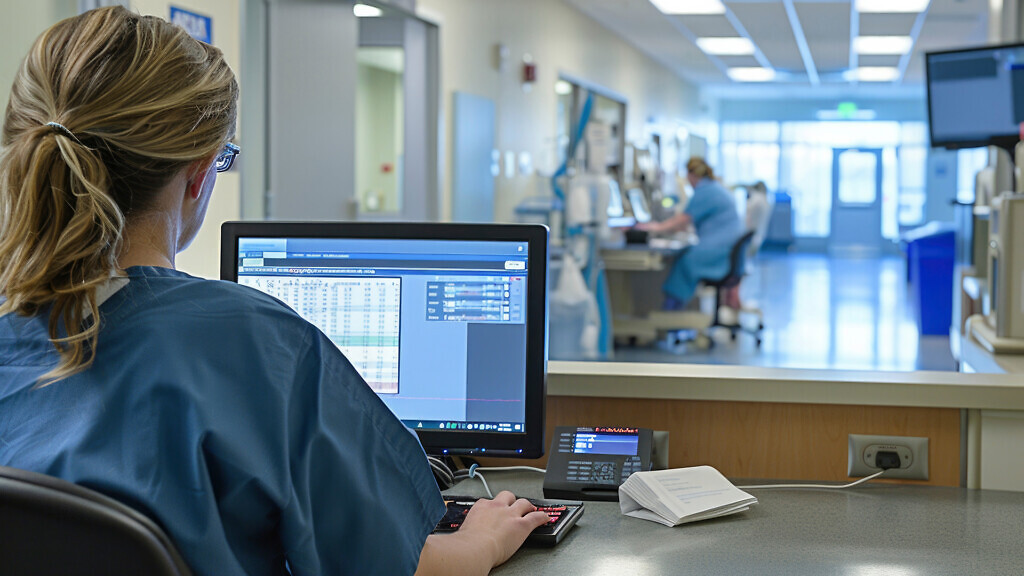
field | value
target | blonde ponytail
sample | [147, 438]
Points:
[698, 167]
[106, 108]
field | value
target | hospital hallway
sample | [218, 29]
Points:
[821, 312]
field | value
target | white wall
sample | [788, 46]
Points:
[560, 40]
[21, 22]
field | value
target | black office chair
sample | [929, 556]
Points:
[731, 279]
[49, 526]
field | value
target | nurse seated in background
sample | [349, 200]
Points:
[712, 213]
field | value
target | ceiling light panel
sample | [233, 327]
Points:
[689, 6]
[882, 44]
[756, 74]
[892, 6]
[735, 46]
[366, 11]
[872, 74]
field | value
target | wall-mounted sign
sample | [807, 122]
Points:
[198, 26]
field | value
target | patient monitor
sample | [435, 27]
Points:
[1005, 310]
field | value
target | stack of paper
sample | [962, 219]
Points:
[681, 495]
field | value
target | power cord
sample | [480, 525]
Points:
[442, 472]
[827, 486]
[474, 472]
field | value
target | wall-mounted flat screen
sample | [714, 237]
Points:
[976, 96]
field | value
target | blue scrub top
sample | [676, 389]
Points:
[718, 228]
[714, 215]
[235, 424]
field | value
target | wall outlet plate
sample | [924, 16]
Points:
[912, 450]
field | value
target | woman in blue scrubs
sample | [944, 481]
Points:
[712, 213]
[216, 410]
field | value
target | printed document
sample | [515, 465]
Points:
[681, 495]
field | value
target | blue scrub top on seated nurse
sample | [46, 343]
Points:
[235, 424]
[718, 228]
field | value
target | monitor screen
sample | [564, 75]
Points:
[976, 96]
[638, 201]
[445, 322]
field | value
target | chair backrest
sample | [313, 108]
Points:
[737, 258]
[759, 215]
[49, 526]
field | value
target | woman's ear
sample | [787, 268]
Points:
[197, 173]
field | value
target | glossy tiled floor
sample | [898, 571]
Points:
[822, 312]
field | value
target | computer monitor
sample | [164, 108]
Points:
[446, 322]
[638, 201]
[975, 96]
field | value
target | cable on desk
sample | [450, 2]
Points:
[474, 472]
[444, 475]
[829, 486]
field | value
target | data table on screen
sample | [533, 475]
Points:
[362, 316]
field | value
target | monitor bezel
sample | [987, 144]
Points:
[1006, 141]
[531, 442]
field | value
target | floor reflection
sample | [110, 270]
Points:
[822, 312]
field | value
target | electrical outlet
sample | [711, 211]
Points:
[867, 454]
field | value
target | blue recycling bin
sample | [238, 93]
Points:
[931, 252]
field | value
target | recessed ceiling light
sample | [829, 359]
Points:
[726, 46]
[872, 74]
[689, 6]
[366, 11]
[754, 74]
[892, 6]
[880, 45]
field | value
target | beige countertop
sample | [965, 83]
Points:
[758, 384]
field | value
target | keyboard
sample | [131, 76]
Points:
[563, 516]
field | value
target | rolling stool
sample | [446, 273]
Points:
[730, 280]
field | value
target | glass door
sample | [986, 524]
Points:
[856, 202]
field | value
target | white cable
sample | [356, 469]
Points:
[474, 472]
[440, 468]
[465, 472]
[829, 486]
[507, 468]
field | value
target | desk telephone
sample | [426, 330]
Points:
[589, 463]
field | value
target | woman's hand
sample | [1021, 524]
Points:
[492, 531]
[502, 524]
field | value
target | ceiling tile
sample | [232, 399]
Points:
[878, 60]
[825, 20]
[769, 28]
[952, 32]
[915, 71]
[948, 24]
[716, 25]
[830, 54]
[737, 61]
[886, 24]
[827, 27]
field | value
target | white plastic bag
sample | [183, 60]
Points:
[575, 321]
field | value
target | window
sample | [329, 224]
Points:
[968, 163]
[796, 157]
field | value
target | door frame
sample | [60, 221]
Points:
[842, 213]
